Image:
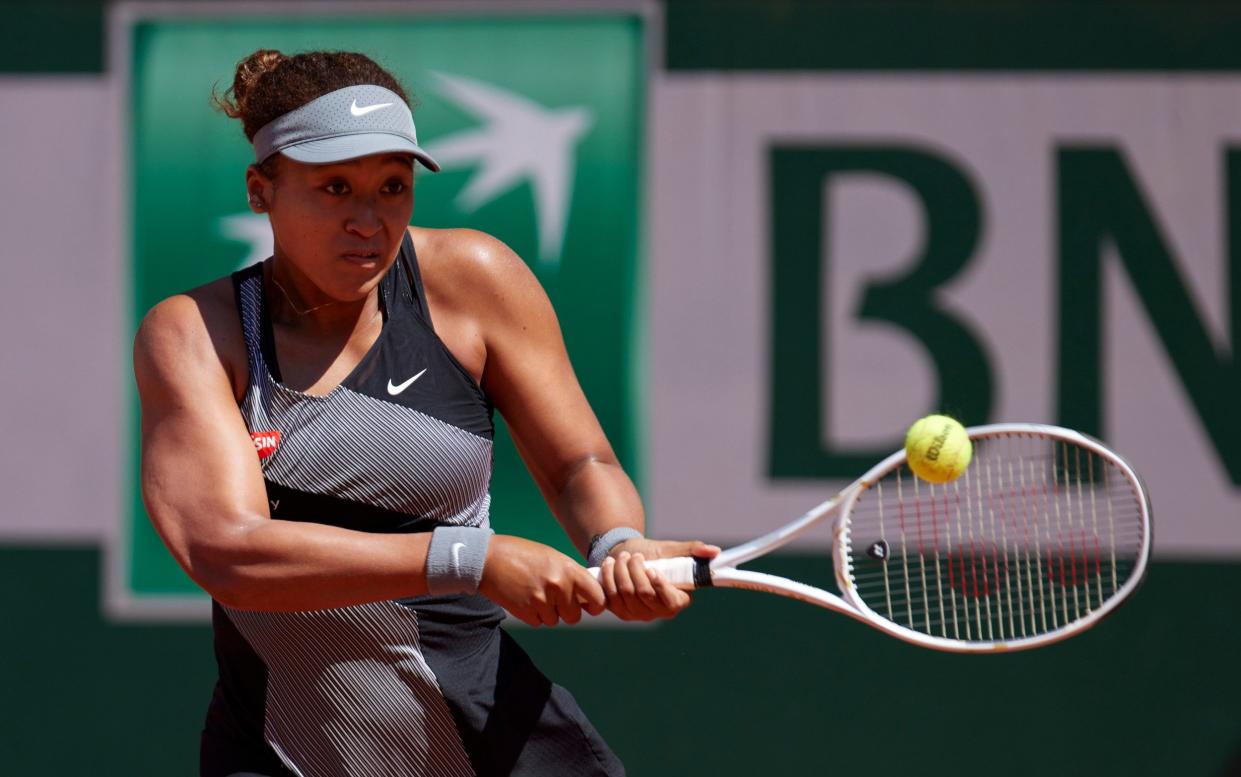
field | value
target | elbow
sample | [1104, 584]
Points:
[226, 587]
[218, 577]
[583, 466]
[220, 568]
[237, 588]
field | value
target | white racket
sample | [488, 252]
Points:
[1046, 533]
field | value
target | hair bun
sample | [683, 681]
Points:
[269, 84]
[249, 71]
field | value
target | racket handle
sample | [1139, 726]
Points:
[684, 572]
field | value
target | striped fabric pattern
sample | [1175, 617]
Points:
[349, 693]
[365, 449]
[348, 690]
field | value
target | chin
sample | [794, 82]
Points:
[352, 278]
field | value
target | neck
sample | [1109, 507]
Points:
[294, 300]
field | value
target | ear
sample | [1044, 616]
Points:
[259, 189]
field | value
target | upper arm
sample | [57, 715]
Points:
[201, 481]
[527, 373]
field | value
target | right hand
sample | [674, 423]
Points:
[537, 584]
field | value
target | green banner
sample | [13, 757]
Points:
[541, 152]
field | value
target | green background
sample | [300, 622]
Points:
[741, 683]
[177, 63]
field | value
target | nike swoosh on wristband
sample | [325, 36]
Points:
[356, 111]
[456, 556]
[393, 390]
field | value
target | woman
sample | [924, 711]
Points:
[357, 585]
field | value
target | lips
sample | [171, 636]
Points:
[361, 255]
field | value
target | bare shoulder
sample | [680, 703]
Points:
[198, 329]
[468, 268]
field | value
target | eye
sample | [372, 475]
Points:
[336, 187]
[395, 187]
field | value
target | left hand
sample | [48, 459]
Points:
[635, 593]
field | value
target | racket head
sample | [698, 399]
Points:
[1046, 533]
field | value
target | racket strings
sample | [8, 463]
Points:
[1036, 535]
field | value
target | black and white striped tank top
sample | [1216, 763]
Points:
[403, 444]
[403, 441]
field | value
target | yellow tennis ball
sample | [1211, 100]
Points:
[938, 449]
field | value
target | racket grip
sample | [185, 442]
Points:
[678, 571]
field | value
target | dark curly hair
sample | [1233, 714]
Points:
[269, 84]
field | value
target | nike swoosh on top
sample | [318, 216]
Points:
[356, 111]
[397, 389]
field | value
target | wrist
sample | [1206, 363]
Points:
[455, 559]
[601, 544]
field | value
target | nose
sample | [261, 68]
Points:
[364, 220]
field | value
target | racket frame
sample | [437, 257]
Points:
[721, 572]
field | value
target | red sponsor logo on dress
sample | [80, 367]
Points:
[265, 443]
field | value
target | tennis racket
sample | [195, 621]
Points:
[1046, 533]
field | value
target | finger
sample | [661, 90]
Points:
[662, 604]
[567, 607]
[672, 598]
[625, 603]
[547, 613]
[696, 548]
[591, 606]
[526, 616]
[641, 594]
[588, 592]
[607, 580]
[701, 549]
[569, 610]
[641, 577]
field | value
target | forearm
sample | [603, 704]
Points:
[286, 565]
[596, 497]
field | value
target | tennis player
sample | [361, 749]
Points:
[316, 454]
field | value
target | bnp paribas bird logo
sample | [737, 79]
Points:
[518, 141]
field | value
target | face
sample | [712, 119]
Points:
[338, 225]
